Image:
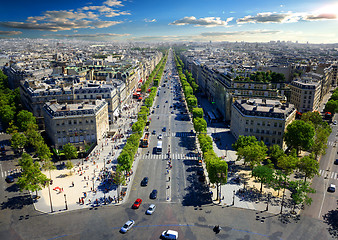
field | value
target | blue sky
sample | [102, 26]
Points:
[184, 20]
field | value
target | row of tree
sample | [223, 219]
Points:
[154, 75]
[217, 168]
[126, 157]
[332, 105]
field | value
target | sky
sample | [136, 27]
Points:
[314, 21]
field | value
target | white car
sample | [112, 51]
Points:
[127, 226]
[170, 234]
[151, 209]
[160, 136]
[331, 188]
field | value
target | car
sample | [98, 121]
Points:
[137, 203]
[153, 194]
[336, 162]
[153, 111]
[154, 132]
[172, 112]
[171, 106]
[200, 162]
[158, 106]
[200, 172]
[164, 129]
[166, 101]
[127, 226]
[151, 209]
[159, 136]
[335, 122]
[9, 179]
[144, 182]
[331, 188]
[169, 234]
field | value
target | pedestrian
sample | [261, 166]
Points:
[79, 200]
[72, 184]
[87, 184]
[169, 179]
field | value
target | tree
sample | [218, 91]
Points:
[124, 161]
[300, 192]
[12, 128]
[205, 142]
[197, 112]
[18, 141]
[24, 118]
[148, 102]
[187, 91]
[7, 113]
[138, 126]
[70, 151]
[217, 172]
[69, 166]
[308, 166]
[43, 151]
[275, 153]
[200, 125]
[119, 179]
[331, 106]
[288, 163]
[299, 135]
[243, 141]
[253, 154]
[31, 179]
[312, 117]
[191, 101]
[263, 174]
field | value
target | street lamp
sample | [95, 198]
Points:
[267, 203]
[65, 201]
[220, 177]
[50, 199]
[233, 198]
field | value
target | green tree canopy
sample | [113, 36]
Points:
[252, 154]
[138, 126]
[124, 161]
[331, 106]
[299, 135]
[244, 141]
[18, 141]
[308, 166]
[200, 125]
[263, 174]
[24, 118]
[197, 112]
[275, 153]
[288, 163]
[70, 151]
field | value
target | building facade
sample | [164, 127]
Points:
[265, 119]
[80, 124]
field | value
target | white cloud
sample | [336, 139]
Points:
[85, 17]
[202, 22]
[219, 34]
[150, 20]
[288, 17]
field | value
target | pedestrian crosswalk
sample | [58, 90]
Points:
[327, 174]
[178, 134]
[330, 143]
[173, 156]
[9, 172]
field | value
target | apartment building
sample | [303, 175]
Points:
[306, 94]
[263, 118]
[80, 123]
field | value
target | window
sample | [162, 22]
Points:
[262, 131]
[267, 132]
[275, 124]
[246, 130]
[247, 122]
[279, 133]
[252, 122]
[280, 125]
[258, 123]
[268, 124]
[75, 122]
[273, 140]
[274, 132]
[251, 130]
[70, 122]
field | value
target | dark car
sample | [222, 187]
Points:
[201, 178]
[336, 162]
[9, 179]
[200, 172]
[137, 203]
[144, 181]
[153, 194]
[164, 129]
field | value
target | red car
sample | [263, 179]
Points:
[137, 203]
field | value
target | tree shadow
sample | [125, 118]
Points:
[331, 218]
[17, 202]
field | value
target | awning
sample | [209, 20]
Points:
[138, 90]
[140, 81]
[116, 112]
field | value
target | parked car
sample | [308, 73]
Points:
[336, 162]
[153, 194]
[144, 182]
[9, 179]
[151, 209]
[137, 203]
[164, 129]
[170, 234]
[127, 226]
[331, 188]
[159, 136]
[154, 132]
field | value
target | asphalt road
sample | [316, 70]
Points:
[188, 209]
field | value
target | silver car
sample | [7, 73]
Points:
[151, 209]
[127, 226]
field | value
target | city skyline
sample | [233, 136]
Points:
[113, 20]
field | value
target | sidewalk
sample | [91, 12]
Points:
[88, 180]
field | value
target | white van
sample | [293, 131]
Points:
[170, 234]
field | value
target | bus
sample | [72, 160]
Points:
[159, 147]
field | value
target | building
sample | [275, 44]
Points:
[263, 118]
[306, 94]
[80, 124]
